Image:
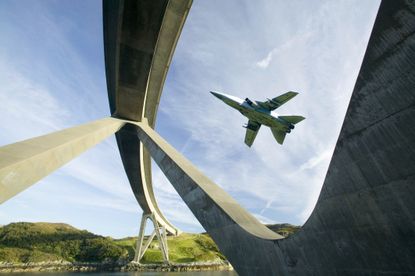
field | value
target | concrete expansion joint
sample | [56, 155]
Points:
[143, 120]
[382, 120]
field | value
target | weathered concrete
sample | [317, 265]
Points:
[364, 221]
[182, 173]
[140, 38]
[248, 244]
[24, 163]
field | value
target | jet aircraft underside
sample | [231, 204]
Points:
[262, 113]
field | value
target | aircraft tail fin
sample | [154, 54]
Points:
[279, 135]
[292, 119]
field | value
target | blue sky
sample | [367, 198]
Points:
[52, 77]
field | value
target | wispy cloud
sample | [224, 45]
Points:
[283, 182]
[316, 160]
[264, 220]
[285, 47]
[29, 109]
[54, 79]
[48, 83]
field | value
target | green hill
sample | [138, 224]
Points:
[182, 249]
[284, 229]
[25, 242]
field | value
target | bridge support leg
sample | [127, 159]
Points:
[159, 231]
[24, 163]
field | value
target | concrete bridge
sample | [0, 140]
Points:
[364, 220]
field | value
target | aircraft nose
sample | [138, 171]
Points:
[222, 97]
[228, 99]
[217, 95]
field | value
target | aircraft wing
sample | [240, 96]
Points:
[279, 135]
[251, 131]
[272, 104]
[292, 119]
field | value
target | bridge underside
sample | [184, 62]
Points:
[139, 39]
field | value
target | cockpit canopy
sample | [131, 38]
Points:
[248, 101]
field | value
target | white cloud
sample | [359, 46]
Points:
[314, 49]
[316, 160]
[283, 182]
[263, 219]
[28, 108]
[46, 84]
[300, 39]
[264, 63]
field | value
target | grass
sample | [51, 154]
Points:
[38, 242]
[24, 242]
[182, 249]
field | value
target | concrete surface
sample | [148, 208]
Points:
[139, 39]
[24, 163]
[364, 221]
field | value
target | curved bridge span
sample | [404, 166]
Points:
[139, 39]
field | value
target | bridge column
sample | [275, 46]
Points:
[246, 242]
[159, 231]
[24, 163]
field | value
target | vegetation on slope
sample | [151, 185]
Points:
[284, 229]
[182, 249]
[25, 242]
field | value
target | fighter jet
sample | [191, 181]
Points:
[262, 113]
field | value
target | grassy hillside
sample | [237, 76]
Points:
[36, 242]
[182, 249]
[284, 229]
[25, 242]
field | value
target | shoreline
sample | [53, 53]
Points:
[62, 266]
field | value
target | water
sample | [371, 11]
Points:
[196, 273]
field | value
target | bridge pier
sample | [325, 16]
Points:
[159, 231]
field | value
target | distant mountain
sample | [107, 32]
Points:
[284, 229]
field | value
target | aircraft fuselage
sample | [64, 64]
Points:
[262, 116]
[262, 113]
[254, 112]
